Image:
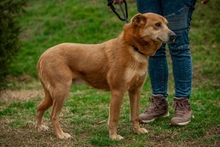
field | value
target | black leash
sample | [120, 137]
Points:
[125, 14]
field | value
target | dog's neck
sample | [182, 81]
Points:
[137, 50]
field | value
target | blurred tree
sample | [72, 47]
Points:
[9, 32]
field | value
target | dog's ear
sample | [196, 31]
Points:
[139, 20]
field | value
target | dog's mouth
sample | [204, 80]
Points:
[160, 40]
[171, 40]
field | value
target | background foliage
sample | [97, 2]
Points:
[9, 32]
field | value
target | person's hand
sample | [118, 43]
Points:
[116, 1]
[202, 1]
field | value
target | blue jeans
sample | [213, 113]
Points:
[178, 13]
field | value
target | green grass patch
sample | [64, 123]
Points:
[101, 141]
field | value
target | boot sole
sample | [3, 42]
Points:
[182, 123]
[151, 120]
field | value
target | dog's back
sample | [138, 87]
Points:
[89, 62]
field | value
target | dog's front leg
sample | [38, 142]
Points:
[134, 96]
[115, 106]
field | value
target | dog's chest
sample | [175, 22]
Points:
[134, 75]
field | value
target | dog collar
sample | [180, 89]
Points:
[137, 50]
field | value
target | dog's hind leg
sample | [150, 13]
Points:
[60, 93]
[42, 107]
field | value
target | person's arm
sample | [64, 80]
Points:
[202, 1]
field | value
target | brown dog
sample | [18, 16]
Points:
[118, 65]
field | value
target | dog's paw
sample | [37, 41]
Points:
[42, 128]
[141, 131]
[64, 136]
[116, 137]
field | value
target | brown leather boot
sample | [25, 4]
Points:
[158, 108]
[182, 112]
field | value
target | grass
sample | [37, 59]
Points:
[47, 23]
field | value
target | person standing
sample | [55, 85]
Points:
[179, 15]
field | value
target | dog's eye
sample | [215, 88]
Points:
[158, 24]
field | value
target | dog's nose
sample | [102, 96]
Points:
[172, 36]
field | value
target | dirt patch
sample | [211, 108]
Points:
[20, 95]
[28, 136]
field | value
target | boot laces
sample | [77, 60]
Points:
[180, 107]
[154, 105]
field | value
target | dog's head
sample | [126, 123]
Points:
[153, 26]
[149, 31]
